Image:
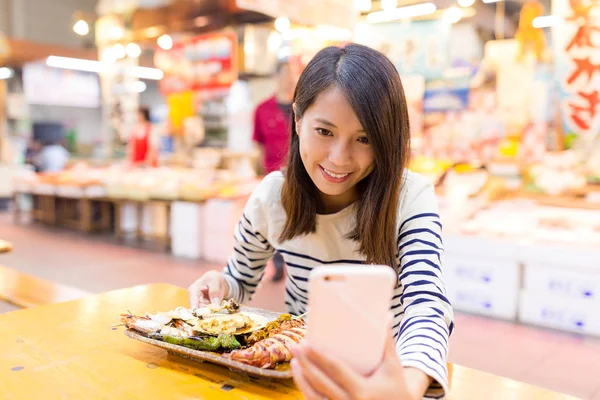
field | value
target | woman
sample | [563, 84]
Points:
[347, 197]
[142, 149]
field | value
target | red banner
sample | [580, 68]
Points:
[201, 62]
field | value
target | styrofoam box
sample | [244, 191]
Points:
[154, 220]
[187, 234]
[565, 280]
[562, 313]
[186, 218]
[186, 246]
[221, 216]
[218, 247]
[478, 299]
[487, 272]
[485, 247]
[129, 217]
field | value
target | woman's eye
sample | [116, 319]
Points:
[364, 140]
[323, 132]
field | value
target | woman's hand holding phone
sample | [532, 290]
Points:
[320, 376]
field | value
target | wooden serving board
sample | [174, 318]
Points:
[281, 371]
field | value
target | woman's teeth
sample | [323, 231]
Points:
[334, 175]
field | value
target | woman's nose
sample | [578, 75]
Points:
[340, 153]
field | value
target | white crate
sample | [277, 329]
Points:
[564, 281]
[218, 248]
[129, 217]
[222, 216]
[154, 220]
[478, 299]
[562, 313]
[489, 273]
[187, 218]
[187, 234]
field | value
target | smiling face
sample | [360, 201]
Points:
[334, 149]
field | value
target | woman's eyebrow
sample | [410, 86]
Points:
[331, 124]
[325, 122]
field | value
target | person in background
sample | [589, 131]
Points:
[272, 132]
[52, 158]
[142, 148]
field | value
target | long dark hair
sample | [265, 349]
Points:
[373, 87]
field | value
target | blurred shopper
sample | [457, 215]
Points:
[52, 158]
[272, 132]
[143, 149]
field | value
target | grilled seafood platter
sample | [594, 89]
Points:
[232, 332]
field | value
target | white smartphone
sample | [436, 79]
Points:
[349, 312]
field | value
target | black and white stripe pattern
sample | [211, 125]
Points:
[423, 318]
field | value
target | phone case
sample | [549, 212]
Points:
[349, 312]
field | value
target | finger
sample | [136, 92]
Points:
[216, 291]
[194, 294]
[341, 373]
[302, 383]
[332, 383]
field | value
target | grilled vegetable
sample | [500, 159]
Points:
[223, 342]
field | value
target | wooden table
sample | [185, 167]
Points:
[70, 351]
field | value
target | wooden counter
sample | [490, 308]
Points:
[71, 351]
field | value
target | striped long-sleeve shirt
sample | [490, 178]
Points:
[423, 317]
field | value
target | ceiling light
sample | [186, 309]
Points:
[282, 24]
[133, 50]
[387, 5]
[6, 73]
[363, 5]
[452, 15]
[407, 12]
[466, 3]
[119, 51]
[546, 21]
[81, 28]
[79, 64]
[165, 42]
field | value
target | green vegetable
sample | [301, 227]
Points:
[222, 342]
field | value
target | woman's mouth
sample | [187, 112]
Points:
[335, 177]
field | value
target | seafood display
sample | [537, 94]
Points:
[236, 334]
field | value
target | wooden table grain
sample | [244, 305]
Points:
[71, 351]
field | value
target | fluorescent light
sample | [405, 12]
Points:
[407, 12]
[81, 28]
[6, 73]
[76, 64]
[274, 41]
[282, 24]
[133, 50]
[153, 74]
[546, 21]
[98, 67]
[138, 86]
[452, 15]
[119, 50]
[466, 3]
[165, 42]
[363, 5]
[389, 4]
[491, 1]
